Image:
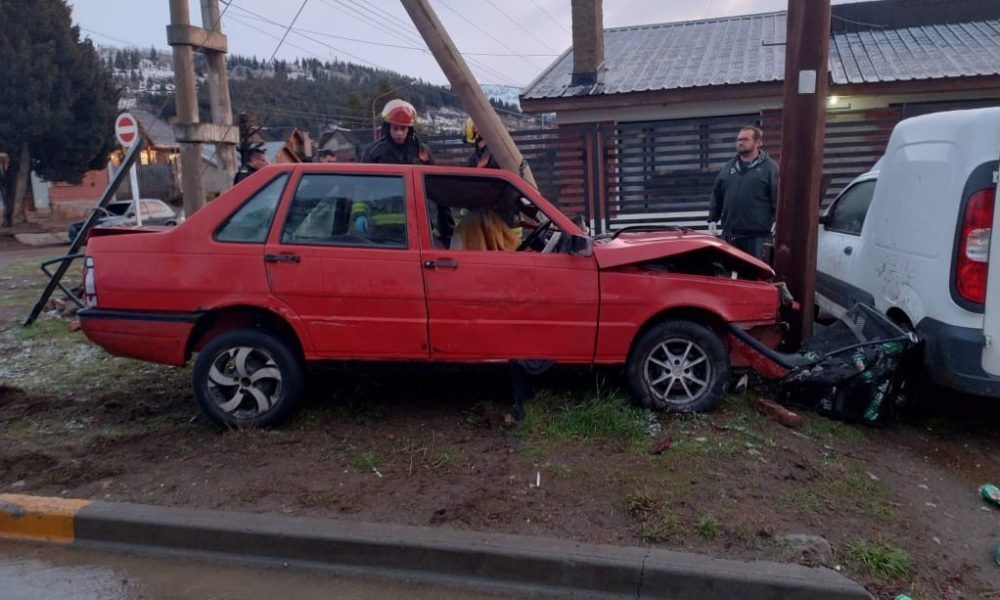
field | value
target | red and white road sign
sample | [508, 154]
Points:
[126, 129]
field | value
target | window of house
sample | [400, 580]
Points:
[485, 213]
[347, 210]
[251, 221]
[848, 214]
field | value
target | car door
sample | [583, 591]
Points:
[991, 317]
[839, 239]
[498, 305]
[345, 259]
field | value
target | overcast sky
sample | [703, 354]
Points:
[505, 41]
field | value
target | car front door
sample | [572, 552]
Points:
[839, 237]
[496, 304]
[345, 259]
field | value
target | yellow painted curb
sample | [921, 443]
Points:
[38, 518]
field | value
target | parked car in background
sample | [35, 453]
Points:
[122, 212]
[348, 262]
[912, 239]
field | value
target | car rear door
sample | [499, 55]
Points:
[991, 318]
[345, 259]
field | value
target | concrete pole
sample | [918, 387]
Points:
[464, 85]
[218, 88]
[803, 125]
[186, 98]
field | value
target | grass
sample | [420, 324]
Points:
[878, 558]
[366, 461]
[708, 527]
[445, 459]
[656, 522]
[821, 427]
[587, 416]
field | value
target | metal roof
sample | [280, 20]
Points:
[750, 49]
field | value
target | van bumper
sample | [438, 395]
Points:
[953, 358]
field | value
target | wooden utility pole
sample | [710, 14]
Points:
[190, 132]
[218, 88]
[803, 125]
[464, 85]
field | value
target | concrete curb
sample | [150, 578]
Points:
[545, 565]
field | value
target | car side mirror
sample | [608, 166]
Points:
[581, 245]
[824, 219]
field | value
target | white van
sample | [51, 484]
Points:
[912, 239]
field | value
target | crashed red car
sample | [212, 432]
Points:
[343, 262]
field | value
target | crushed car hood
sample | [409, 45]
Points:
[634, 248]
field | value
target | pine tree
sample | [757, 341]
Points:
[58, 101]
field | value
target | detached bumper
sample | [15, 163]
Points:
[953, 358]
[151, 336]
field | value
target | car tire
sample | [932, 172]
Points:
[679, 366]
[247, 378]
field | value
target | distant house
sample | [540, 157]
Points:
[345, 143]
[285, 144]
[660, 109]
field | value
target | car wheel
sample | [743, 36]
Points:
[247, 378]
[679, 366]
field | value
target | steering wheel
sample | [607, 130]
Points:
[534, 236]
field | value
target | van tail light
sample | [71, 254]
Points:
[974, 246]
[89, 286]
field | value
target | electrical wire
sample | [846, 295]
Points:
[551, 18]
[488, 34]
[287, 30]
[521, 27]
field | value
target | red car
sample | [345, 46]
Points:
[342, 262]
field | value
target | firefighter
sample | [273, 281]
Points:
[481, 156]
[256, 160]
[398, 144]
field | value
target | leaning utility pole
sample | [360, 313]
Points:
[463, 84]
[188, 129]
[803, 125]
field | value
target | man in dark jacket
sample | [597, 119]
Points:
[481, 156]
[398, 144]
[256, 160]
[745, 195]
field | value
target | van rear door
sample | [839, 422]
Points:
[991, 318]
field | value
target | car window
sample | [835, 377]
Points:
[848, 213]
[347, 210]
[483, 213]
[154, 209]
[252, 220]
[119, 208]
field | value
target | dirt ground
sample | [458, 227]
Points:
[898, 505]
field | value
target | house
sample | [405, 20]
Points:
[659, 105]
[345, 143]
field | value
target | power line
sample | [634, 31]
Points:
[404, 47]
[287, 30]
[487, 33]
[521, 27]
[551, 18]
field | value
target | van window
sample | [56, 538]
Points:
[848, 214]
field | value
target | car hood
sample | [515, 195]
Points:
[634, 248]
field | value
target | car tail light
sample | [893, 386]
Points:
[89, 287]
[974, 246]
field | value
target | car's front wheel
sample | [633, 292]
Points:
[247, 378]
[679, 366]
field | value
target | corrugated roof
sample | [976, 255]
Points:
[750, 49]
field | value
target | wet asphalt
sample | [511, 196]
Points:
[34, 572]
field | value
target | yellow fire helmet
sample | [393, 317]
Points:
[471, 132]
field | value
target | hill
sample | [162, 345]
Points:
[306, 93]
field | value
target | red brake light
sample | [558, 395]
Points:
[974, 246]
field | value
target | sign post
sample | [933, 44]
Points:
[127, 132]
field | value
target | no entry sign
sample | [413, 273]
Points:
[126, 129]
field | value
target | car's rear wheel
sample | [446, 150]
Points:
[247, 378]
[679, 366]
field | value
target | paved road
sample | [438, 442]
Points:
[31, 572]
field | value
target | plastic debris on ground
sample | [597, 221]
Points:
[990, 493]
[852, 368]
[661, 446]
